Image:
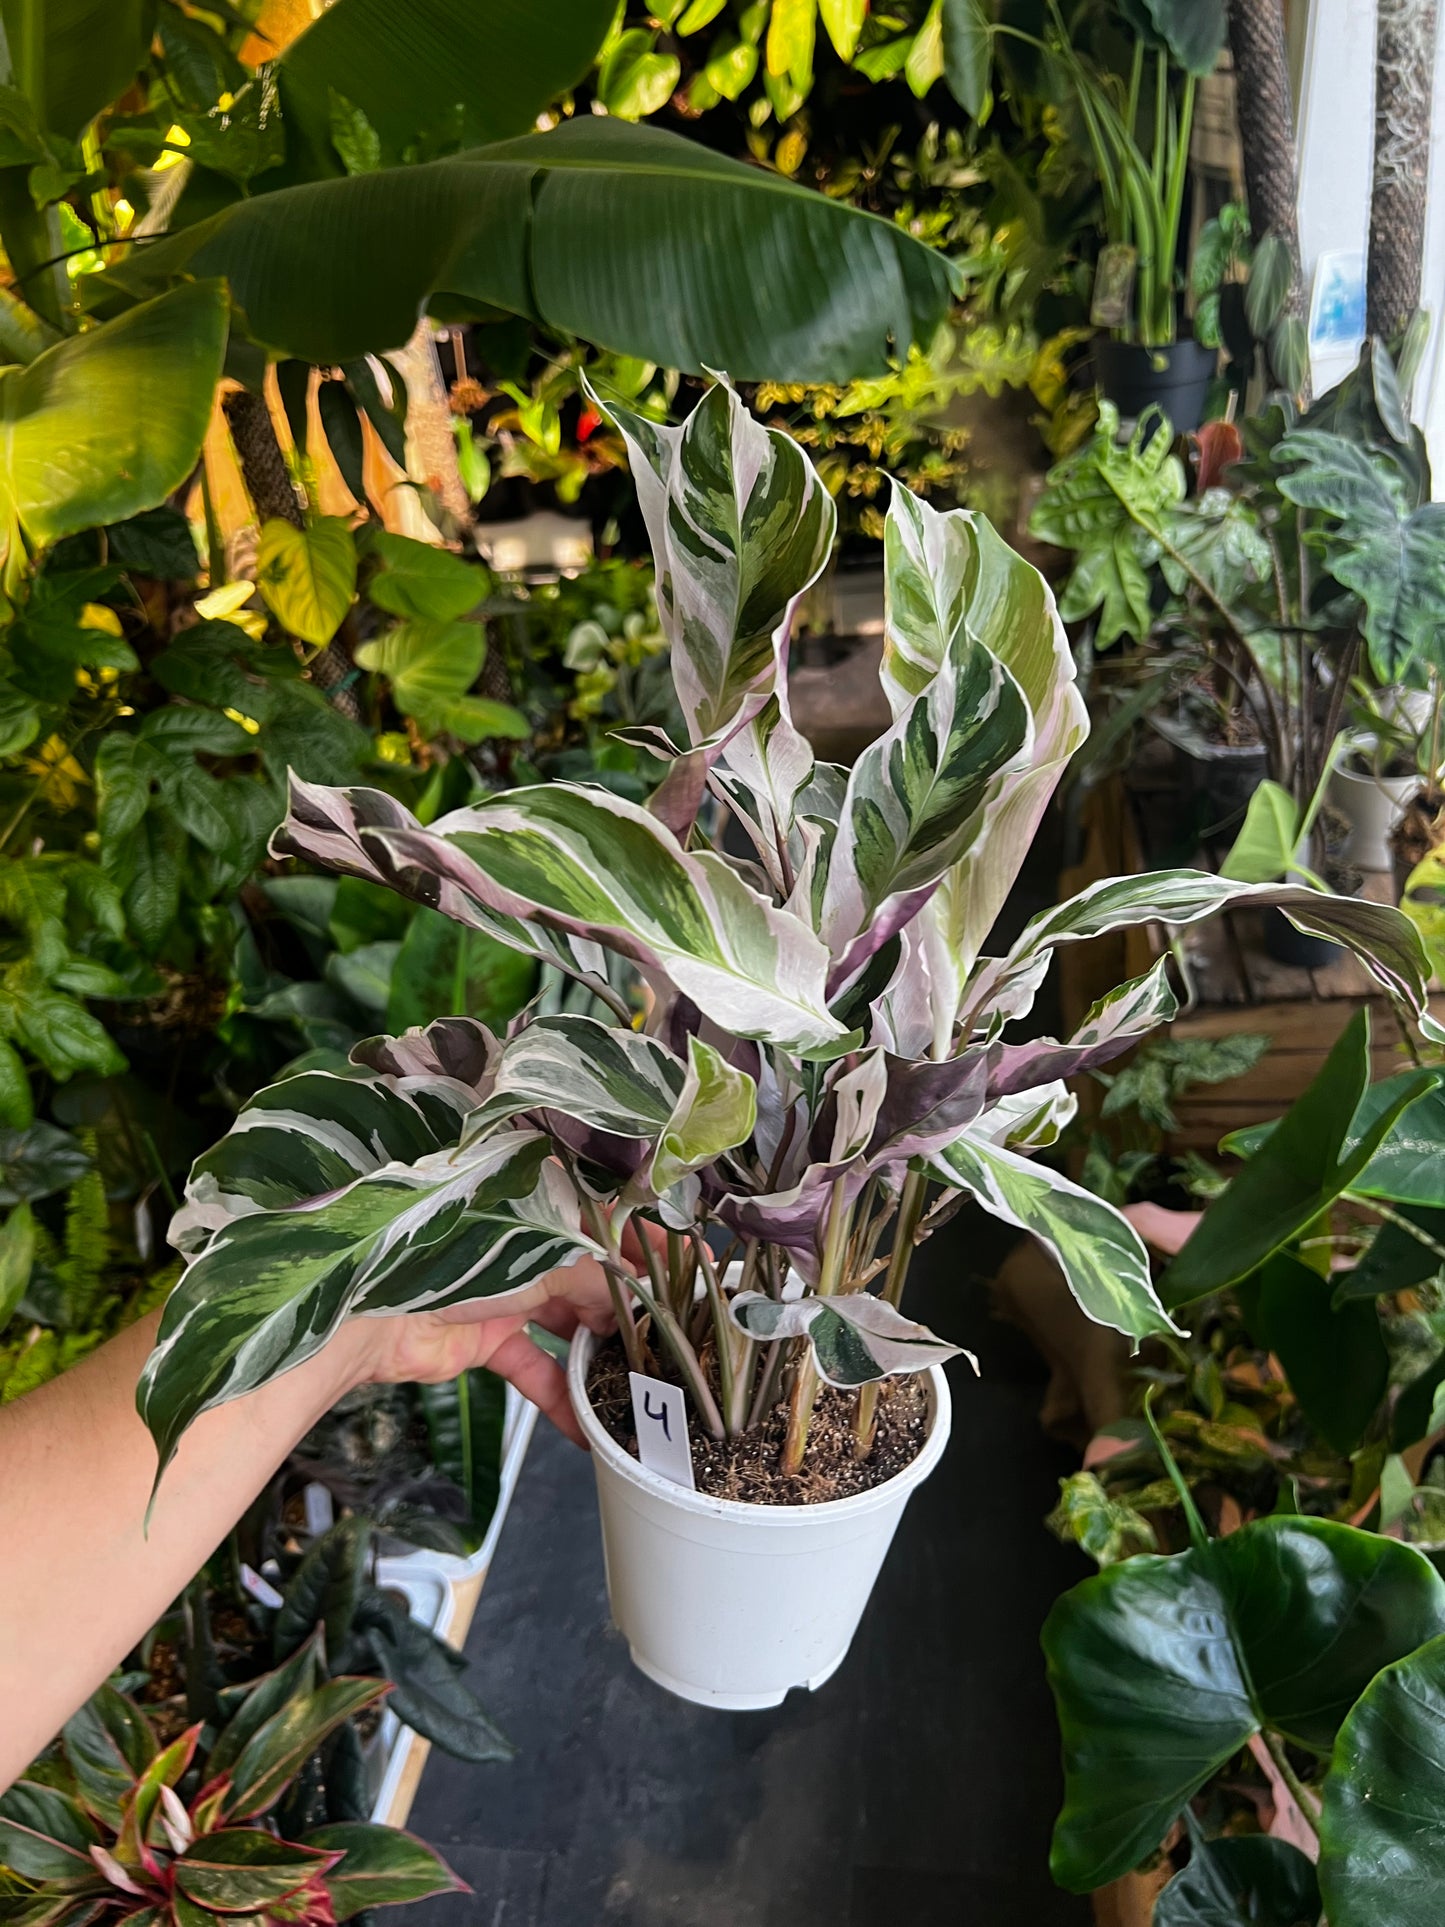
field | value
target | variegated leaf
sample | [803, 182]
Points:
[856, 1338]
[614, 1080]
[272, 1287]
[1114, 1024]
[1029, 1120]
[319, 1131]
[740, 526]
[715, 1110]
[1385, 942]
[1099, 1252]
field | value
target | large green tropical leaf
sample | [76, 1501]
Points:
[1296, 1174]
[1333, 1354]
[469, 70]
[109, 423]
[1382, 1829]
[1407, 1167]
[1242, 1880]
[1099, 1252]
[595, 870]
[1163, 1669]
[81, 54]
[631, 237]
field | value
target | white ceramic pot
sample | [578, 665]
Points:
[1374, 805]
[729, 1604]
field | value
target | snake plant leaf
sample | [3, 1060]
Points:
[1379, 545]
[740, 528]
[591, 866]
[856, 1339]
[318, 1132]
[1113, 1025]
[1242, 1880]
[1295, 1176]
[475, 72]
[1099, 1252]
[631, 237]
[464, 1422]
[1164, 1668]
[246, 1870]
[128, 402]
[1382, 1827]
[272, 1287]
[380, 1867]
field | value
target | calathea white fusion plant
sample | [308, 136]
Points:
[810, 1056]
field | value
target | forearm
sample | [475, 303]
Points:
[80, 1578]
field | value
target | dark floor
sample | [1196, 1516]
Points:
[916, 1789]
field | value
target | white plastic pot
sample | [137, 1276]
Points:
[730, 1604]
[1374, 805]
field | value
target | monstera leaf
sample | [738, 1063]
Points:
[1164, 1668]
[633, 238]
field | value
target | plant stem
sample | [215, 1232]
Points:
[905, 1243]
[805, 1385]
[1303, 1798]
[721, 1332]
[1398, 1219]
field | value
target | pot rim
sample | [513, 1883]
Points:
[704, 1505]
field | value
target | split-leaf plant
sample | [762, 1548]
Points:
[812, 1047]
[117, 1825]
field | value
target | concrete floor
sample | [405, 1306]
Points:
[916, 1789]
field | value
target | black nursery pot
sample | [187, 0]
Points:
[1299, 947]
[1174, 378]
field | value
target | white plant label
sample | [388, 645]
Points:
[659, 1412]
[261, 1590]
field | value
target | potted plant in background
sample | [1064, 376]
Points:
[812, 1054]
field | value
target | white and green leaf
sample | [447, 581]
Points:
[855, 1339]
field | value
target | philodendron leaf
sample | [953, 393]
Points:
[1268, 838]
[856, 1338]
[594, 868]
[421, 581]
[380, 1867]
[271, 1288]
[1164, 1668]
[1333, 1355]
[1382, 1828]
[1242, 1880]
[1295, 1176]
[1406, 1167]
[308, 576]
[1099, 1252]
[128, 402]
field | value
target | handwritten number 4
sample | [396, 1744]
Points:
[662, 1415]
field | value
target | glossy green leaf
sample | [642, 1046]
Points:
[296, 1679]
[45, 1835]
[308, 576]
[420, 580]
[128, 403]
[431, 666]
[1270, 274]
[1300, 1170]
[968, 55]
[1333, 1355]
[715, 1111]
[1382, 1829]
[464, 1419]
[277, 1751]
[244, 1870]
[1193, 31]
[107, 1744]
[635, 78]
[89, 53]
[380, 1867]
[631, 237]
[17, 1255]
[321, 1596]
[843, 22]
[1163, 1668]
[1243, 1880]
[1268, 838]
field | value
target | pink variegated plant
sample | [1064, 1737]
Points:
[791, 1048]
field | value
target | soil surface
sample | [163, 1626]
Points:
[747, 1468]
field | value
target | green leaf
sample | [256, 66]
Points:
[445, 970]
[128, 402]
[419, 579]
[924, 64]
[1270, 274]
[341, 425]
[843, 22]
[1268, 840]
[1193, 31]
[154, 855]
[1334, 1358]
[1099, 1252]
[464, 1418]
[1243, 1880]
[792, 29]
[631, 237]
[45, 1835]
[968, 55]
[158, 542]
[1382, 1828]
[244, 1870]
[325, 1588]
[89, 55]
[634, 79]
[17, 1101]
[281, 1746]
[1163, 1668]
[431, 665]
[856, 1339]
[381, 1867]
[429, 1693]
[1295, 1176]
[308, 576]
[715, 1110]
[17, 1256]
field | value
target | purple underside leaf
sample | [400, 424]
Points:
[895, 915]
[1022, 1067]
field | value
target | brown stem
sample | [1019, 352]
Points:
[905, 1243]
[805, 1385]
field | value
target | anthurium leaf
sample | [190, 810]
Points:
[1243, 1880]
[128, 402]
[1268, 838]
[420, 580]
[594, 867]
[240, 1870]
[45, 1835]
[1163, 1669]
[706, 261]
[308, 575]
[1382, 1828]
[1301, 1169]
[281, 1746]
[856, 1338]
[443, 967]
[1099, 1252]
[380, 1867]
[107, 1744]
[464, 1419]
[270, 1288]
[1334, 1358]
